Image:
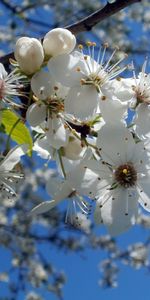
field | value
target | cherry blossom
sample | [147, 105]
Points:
[86, 77]
[48, 108]
[9, 177]
[10, 87]
[123, 179]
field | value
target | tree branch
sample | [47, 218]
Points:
[87, 23]
[108, 10]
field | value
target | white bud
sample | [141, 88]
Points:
[59, 41]
[74, 149]
[29, 54]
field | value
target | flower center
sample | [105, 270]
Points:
[94, 80]
[54, 105]
[126, 175]
[100, 70]
[142, 96]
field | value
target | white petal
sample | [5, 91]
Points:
[112, 110]
[43, 207]
[121, 89]
[56, 134]
[64, 68]
[3, 73]
[86, 181]
[144, 192]
[140, 157]
[82, 102]
[42, 147]
[13, 157]
[41, 85]
[116, 143]
[120, 213]
[36, 114]
[142, 121]
[58, 189]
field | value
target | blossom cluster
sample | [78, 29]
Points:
[90, 120]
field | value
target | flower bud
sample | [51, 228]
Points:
[74, 149]
[58, 41]
[29, 54]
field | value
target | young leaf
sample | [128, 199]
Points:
[16, 129]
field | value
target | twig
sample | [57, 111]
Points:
[108, 10]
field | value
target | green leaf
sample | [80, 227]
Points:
[16, 129]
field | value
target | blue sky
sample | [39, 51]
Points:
[83, 273]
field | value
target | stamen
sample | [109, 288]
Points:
[99, 71]
[80, 47]
[127, 206]
[105, 46]
[93, 45]
[105, 200]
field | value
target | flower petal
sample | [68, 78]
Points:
[82, 102]
[56, 134]
[3, 73]
[36, 114]
[115, 143]
[118, 210]
[13, 157]
[59, 189]
[144, 192]
[41, 85]
[141, 121]
[64, 68]
[42, 147]
[112, 110]
[43, 207]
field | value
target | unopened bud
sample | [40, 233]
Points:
[29, 54]
[58, 41]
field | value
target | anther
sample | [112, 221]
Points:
[106, 45]
[80, 46]
[89, 44]
[78, 69]
[103, 98]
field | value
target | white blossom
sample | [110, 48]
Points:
[139, 255]
[48, 109]
[10, 86]
[122, 179]
[68, 188]
[141, 98]
[86, 77]
[9, 177]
